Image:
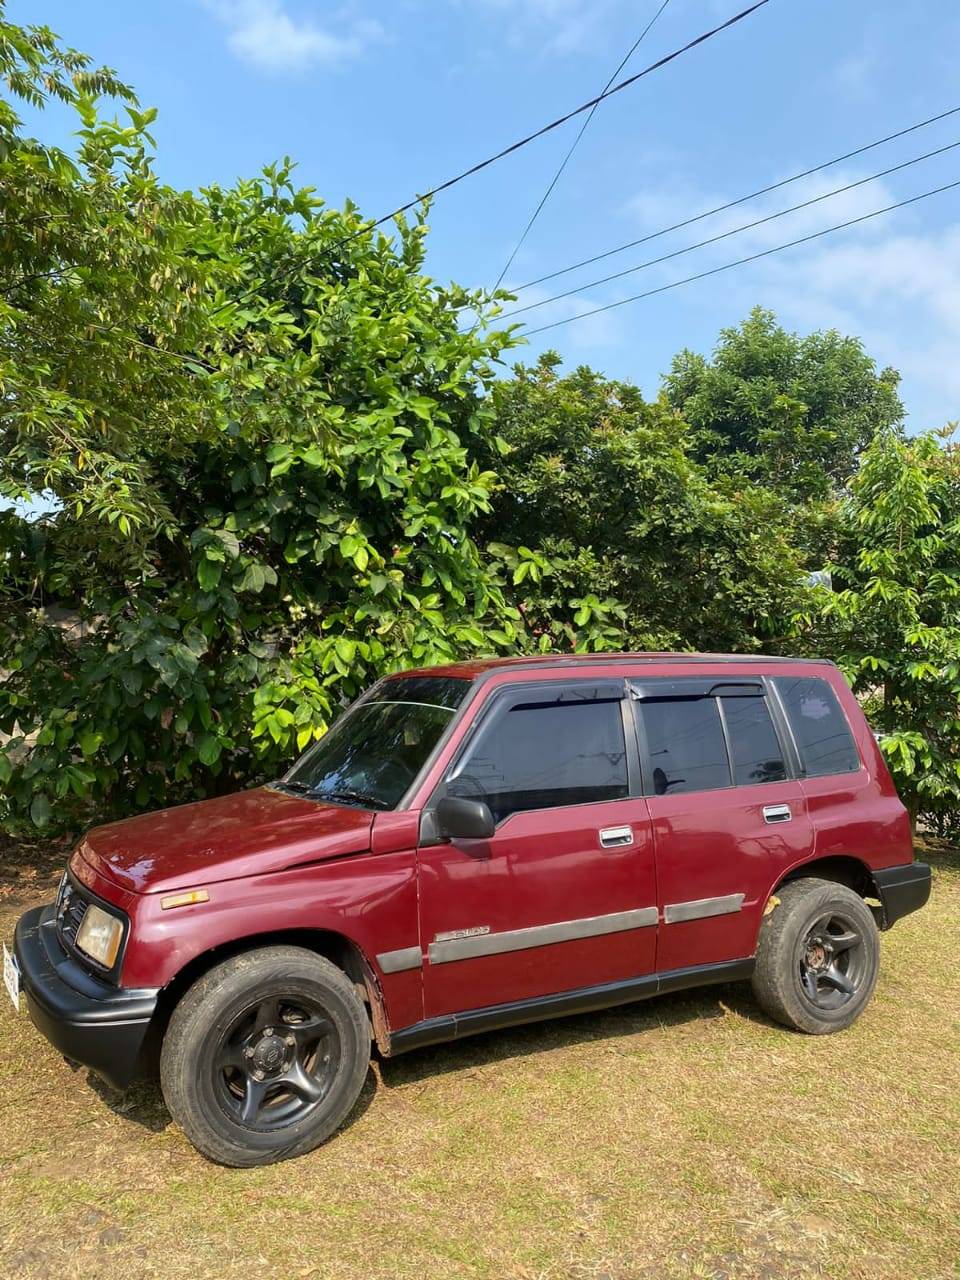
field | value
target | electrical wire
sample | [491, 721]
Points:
[753, 257]
[554, 124]
[725, 235]
[732, 204]
[573, 146]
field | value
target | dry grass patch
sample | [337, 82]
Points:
[683, 1137]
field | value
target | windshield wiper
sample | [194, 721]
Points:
[351, 797]
[300, 788]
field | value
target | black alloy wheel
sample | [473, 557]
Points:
[265, 1055]
[276, 1062]
[818, 956]
[833, 962]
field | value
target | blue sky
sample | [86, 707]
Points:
[378, 100]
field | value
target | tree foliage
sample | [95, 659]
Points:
[254, 419]
[791, 412]
[639, 546]
[892, 618]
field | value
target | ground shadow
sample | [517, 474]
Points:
[142, 1104]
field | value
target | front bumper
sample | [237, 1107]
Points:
[902, 890]
[98, 1025]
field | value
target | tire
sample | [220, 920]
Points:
[264, 1056]
[818, 956]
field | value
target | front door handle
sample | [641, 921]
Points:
[614, 837]
[777, 813]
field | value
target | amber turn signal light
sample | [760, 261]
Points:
[184, 899]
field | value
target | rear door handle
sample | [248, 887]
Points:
[612, 837]
[777, 813]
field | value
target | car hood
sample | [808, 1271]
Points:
[233, 836]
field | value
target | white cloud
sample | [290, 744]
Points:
[558, 26]
[899, 293]
[892, 281]
[857, 76]
[263, 34]
[674, 202]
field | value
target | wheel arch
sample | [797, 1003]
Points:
[843, 869]
[332, 945]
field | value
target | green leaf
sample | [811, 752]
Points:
[209, 748]
[41, 810]
[90, 742]
[208, 573]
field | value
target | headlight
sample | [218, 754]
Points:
[99, 936]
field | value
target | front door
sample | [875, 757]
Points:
[563, 896]
[727, 817]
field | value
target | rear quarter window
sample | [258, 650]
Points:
[819, 726]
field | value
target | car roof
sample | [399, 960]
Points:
[471, 668]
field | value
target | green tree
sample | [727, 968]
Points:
[254, 417]
[637, 546]
[792, 412]
[892, 619]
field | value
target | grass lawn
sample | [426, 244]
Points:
[684, 1137]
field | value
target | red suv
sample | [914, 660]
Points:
[469, 847]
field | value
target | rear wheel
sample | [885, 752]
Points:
[265, 1055]
[818, 957]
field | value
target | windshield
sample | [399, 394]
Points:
[376, 749]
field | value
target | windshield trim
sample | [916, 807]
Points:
[409, 702]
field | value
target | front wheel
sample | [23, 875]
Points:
[265, 1055]
[818, 957]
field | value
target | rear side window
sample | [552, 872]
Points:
[686, 747]
[819, 726]
[754, 744]
[703, 743]
[544, 755]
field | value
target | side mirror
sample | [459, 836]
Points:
[463, 819]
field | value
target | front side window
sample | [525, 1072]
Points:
[541, 755]
[374, 752]
[819, 726]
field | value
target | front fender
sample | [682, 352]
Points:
[369, 900]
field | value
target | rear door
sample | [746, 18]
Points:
[564, 895]
[726, 807]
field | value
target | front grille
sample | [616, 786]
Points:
[71, 908]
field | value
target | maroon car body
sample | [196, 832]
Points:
[585, 902]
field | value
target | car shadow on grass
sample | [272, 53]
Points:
[142, 1104]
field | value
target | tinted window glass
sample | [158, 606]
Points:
[686, 746]
[819, 726]
[440, 691]
[540, 756]
[753, 742]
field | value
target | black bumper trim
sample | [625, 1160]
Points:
[902, 890]
[98, 1025]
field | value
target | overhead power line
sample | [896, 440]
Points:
[732, 204]
[554, 124]
[753, 257]
[575, 143]
[725, 235]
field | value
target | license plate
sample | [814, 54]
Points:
[11, 977]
